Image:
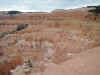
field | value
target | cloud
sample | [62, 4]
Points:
[44, 5]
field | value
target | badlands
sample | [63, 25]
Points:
[62, 42]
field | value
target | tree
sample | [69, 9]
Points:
[96, 11]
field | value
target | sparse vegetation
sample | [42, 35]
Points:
[96, 11]
[20, 27]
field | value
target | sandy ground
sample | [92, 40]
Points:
[86, 63]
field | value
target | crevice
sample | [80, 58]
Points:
[19, 28]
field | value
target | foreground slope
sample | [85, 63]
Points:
[86, 63]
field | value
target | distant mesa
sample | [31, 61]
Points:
[14, 12]
[59, 10]
[91, 6]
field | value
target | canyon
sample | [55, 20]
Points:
[47, 43]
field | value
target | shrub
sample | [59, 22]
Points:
[20, 27]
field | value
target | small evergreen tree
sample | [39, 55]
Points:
[95, 11]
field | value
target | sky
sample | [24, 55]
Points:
[44, 5]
